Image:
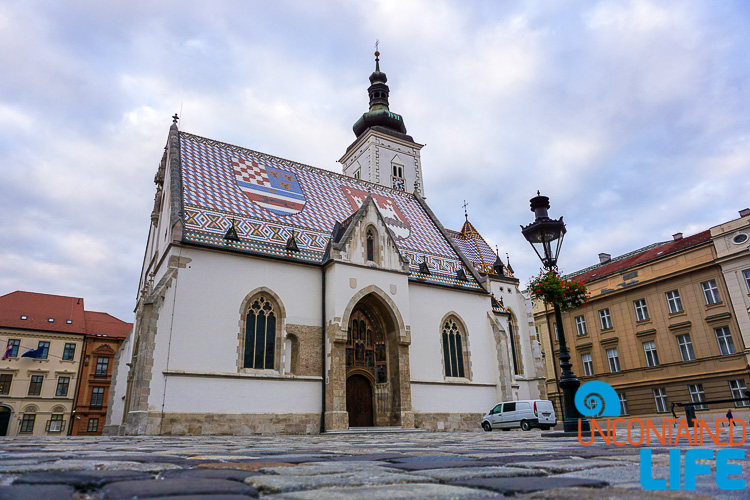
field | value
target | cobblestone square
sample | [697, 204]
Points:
[350, 466]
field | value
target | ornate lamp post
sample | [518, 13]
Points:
[546, 237]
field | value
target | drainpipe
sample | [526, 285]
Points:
[323, 349]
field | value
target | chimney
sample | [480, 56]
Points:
[677, 236]
[744, 212]
[604, 258]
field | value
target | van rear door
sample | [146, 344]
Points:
[545, 412]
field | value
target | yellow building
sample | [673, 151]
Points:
[659, 328]
[37, 390]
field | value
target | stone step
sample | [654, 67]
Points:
[375, 430]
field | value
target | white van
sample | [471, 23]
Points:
[524, 414]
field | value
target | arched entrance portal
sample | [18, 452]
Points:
[4, 420]
[374, 354]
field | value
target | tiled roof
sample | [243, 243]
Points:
[38, 308]
[640, 257]
[269, 197]
[99, 323]
[475, 248]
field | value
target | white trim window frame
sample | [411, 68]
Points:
[697, 396]
[641, 311]
[652, 358]
[623, 404]
[588, 364]
[581, 325]
[724, 338]
[686, 347]
[674, 302]
[605, 319]
[738, 390]
[711, 292]
[660, 398]
[746, 275]
[613, 360]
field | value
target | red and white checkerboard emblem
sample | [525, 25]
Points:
[392, 215]
[272, 188]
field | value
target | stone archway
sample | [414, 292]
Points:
[382, 360]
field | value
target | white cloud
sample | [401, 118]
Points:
[631, 116]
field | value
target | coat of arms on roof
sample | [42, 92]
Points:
[272, 188]
[392, 215]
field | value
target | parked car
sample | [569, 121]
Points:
[524, 414]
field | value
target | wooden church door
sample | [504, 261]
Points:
[365, 363]
[359, 401]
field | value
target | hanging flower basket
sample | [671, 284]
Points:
[553, 289]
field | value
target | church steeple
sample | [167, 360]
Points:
[380, 115]
[382, 153]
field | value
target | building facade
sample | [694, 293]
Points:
[104, 335]
[281, 298]
[43, 338]
[732, 243]
[659, 328]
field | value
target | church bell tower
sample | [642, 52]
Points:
[383, 153]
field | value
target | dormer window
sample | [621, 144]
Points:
[24, 317]
[69, 321]
[51, 320]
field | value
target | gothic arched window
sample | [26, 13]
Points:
[453, 349]
[370, 245]
[260, 334]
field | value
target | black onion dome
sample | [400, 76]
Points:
[379, 116]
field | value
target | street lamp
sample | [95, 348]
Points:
[546, 237]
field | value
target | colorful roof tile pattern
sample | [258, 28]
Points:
[640, 257]
[269, 197]
[475, 248]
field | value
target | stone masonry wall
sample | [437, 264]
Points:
[309, 348]
[449, 422]
[191, 424]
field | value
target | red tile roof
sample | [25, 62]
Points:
[640, 257]
[99, 323]
[67, 312]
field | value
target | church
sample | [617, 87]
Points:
[276, 297]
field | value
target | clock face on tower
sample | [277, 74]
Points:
[398, 183]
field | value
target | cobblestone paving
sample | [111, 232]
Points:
[333, 466]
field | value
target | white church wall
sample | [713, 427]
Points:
[448, 398]
[242, 395]
[118, 388]
[429, 306]
[210, 291]
[198, 326]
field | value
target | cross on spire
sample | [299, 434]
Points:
[175, 118]
[466, 214]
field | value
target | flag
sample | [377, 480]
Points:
[8, 351]
[33, 353]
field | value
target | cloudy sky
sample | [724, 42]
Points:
[632, 116]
